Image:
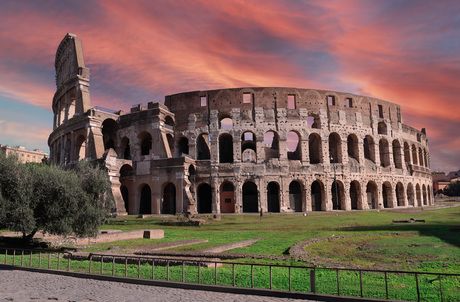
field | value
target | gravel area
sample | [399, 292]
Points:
[17, 285]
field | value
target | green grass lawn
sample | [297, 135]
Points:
[437, 242]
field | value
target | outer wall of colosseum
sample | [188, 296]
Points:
[244, 149]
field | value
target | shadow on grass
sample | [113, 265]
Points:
[450, 234]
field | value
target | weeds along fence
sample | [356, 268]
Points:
[391, 285]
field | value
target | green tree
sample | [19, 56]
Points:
[452, 189]
[61, 202]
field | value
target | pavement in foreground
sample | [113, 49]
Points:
[16, 285]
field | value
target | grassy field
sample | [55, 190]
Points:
[430, 246]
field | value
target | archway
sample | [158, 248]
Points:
[125, 148]
[397, 158]
[399, 194]
[109, 131]
[146, 142]
[382, 128]
[145, 205]
[352, 146]
[372, 197]
[294, 146]
[424, 195]
[316, 196]
[271, 141]
[225, 148]
[204, 197]
[386, 194]
[227, 198]
[414, 155]
[169, 199]
[183, 146]
[406, 153]
[369, 148]
[202, 147]
[418, 194]
[384, 153]
[335, 148]
[314, 148]
[338, 196]
[250, 198]
[81, 147]
[410, 194]
[273, 197]
[125, 195]
[355, 195]
[248, 147]
[295, 196]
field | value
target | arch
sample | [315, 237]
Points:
[273, 197]
[314, 148]
[183, 146]
[202, 147]
[397, 158]
[169, 199]
[125, 148]
[294, 146]
[170, 139]
[335, 148]
[227, 197]
[352, 146]
[372, 197]
[72, 105]
[145, 140]
[382, 128]
[313, 121]
[386, 194]
[399, 194]
[204, 198]
[406, 153]
[384, 153]
[410, 195]
[425, 203]
[414, 155]
[67, 149]
[420, 156]
[317, 195]
[226, 123]
[425, 158]
[248, 147]
[125, 195]
[250, 197]
[126, 170]
[225, 148]
[295, 196]
[169, 121]
[369, 148]
[355, 195]
[429, 192]
[337, 195]
[109, 131]
[81, 147]
[271, 141]
[418, 195]
[145, 204]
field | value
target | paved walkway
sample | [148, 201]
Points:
[16, 285]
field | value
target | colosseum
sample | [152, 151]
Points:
[241, 150]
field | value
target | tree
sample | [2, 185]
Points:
[452, 189]
[37, 197]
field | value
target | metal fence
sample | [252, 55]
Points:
[394, 285]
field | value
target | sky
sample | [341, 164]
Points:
[402, 51]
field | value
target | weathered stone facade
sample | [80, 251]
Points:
[243, 149]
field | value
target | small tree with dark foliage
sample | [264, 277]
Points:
[37, 197]
[452, 189]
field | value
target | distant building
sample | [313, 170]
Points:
[441, 180]
[25, 156]
[453, 174]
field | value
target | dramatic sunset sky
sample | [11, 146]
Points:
[405, 52]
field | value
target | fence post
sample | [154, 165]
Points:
[289, 268]
[199, 272]
[90, 262]
[361, 283]
[139, 269]
[22, 257]
[386, 284]
[49, 260]
[418, 290]
[102, 265]
[59, 261]
[14, 256]
[113, 265]
[271, 282]
[167, 270]
[233, 271]
[440, 288]
[68, 263]
[153, 269]
[313, 281]
[6, 256]
[338, 283]
[183, 272]
[39, 259]
[252, 276]
[30, 258]
[126, 266]
[215, 273]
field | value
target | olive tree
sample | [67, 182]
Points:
[37, 197]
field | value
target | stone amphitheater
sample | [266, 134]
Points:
[242, 150]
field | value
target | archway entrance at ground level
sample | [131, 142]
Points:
[273, 197]
[169, 199]
[145, 205]
[338, 198]
[204, 194]
[125, 195]
[295, 196]
[250, 198]
[316, 196]
[227, 198]
[386, 194]
[371, 192]
[399, 194]
[354, 195]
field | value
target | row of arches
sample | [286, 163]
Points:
[361, 196]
